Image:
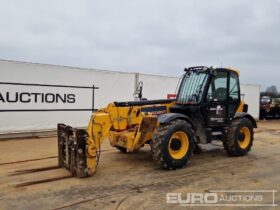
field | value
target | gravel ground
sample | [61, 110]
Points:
[134, 181]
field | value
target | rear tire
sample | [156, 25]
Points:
[172, 144]
[240, 137]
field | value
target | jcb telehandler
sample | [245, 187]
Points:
[208, 107]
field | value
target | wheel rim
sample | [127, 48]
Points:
[178, 145]
[244, 141]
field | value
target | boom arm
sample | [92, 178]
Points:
[80, 153]
[128, 126]
[98, 129]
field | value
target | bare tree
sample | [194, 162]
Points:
[271, 91]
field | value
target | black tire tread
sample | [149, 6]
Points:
[231, 142]
[157, 141]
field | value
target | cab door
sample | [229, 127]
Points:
[222, 98]
[233, 95]
[215, 107]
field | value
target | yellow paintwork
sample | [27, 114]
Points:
[184, 147]
[145, 130]
[98, 129]
[247, 138]
[241, 105]
[126, 127]
[235, 70]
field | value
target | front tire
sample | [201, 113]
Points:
[172, 144]
[240, 137]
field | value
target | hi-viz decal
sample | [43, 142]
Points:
[33, 97]
[219, 109]
[217, 114]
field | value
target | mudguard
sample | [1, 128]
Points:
[246, 115]
[168, 117]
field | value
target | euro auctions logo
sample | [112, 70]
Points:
[36, 97]
[192, 198]
[254, 198]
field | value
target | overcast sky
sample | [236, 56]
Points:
[147, 36]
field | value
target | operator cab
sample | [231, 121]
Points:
[209, 95]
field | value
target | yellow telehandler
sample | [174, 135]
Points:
[207, 107]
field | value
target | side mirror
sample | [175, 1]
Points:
[139, 91]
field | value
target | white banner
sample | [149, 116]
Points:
[113, 86]
[157, 87]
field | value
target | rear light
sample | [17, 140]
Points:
[171, 96]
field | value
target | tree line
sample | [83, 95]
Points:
[271, 91]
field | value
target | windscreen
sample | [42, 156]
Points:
[192, 87]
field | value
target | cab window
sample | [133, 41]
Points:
[218, 87]
[233, 87]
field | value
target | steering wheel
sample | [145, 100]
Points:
[220, 94]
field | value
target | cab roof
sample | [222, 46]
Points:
[204, 68]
